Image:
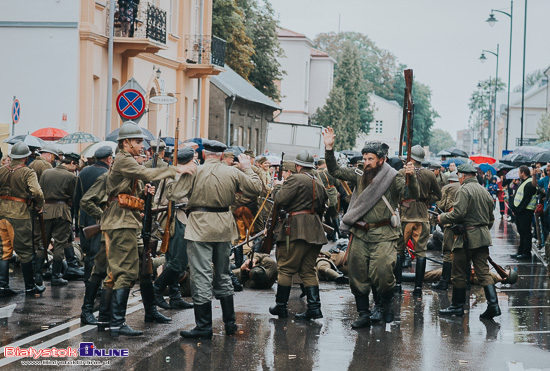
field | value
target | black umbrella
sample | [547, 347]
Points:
[500, 166]
[542, 157]
[28, 139]
[148, 135]
[457, 152]
[349, 153]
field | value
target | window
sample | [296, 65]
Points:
[378, 127]
[240, 139]
[257, 141]
[249, 138]
[173, 18]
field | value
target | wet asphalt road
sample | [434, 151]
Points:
[418, 339]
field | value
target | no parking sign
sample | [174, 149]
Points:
[130, 102]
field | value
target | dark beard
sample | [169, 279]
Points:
[368, 176]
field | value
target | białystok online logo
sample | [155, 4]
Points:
[84, 350]
[90, 350]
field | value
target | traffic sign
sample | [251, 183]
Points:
[16, 111]
[130, 104]
[163, 99]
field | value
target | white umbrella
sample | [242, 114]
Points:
[90, 150]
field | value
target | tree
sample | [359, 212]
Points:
[441, 140]
[228, 24]
[333, 114]
[531, 79]
[481, 101]
[543, 128]
[261, 28]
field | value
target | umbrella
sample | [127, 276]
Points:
[113, 135]
[237, 150]
[500, 166]
[456, 160]
[485, 167]
[457, 152]
[349, 153]
[443, 153]
[542, 157]
[29, 140]
[78, 137]
[170, 141]
[544, 145]
[90, 150]
[515, 159]
[513, 174]
[480, 159]
[273, 159]
[49, 133]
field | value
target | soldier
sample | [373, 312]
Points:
[435, 167]
[262, 274]
[160, 159]
[327, 269]
[414, 217]
[300, 236]
[18, 185]
[331, 184]
[473, 209]
[122, 224]
[228, 158]
[58, 185]
[373, 241]
[448, 196]
[210, 230]
[45, 160]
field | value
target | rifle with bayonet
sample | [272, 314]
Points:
[267, 244]
[147, 266]
[408, 113]
[170, 209]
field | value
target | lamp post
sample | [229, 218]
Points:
[492, 20]
[162, 83]
[482, 59]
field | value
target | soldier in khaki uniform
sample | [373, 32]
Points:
[18, 184]
[327, 269]
[210, 230]
[262, 274]
[58, 185]
[300, 236]
[415, 219]
[160, 159]
[123, 224]
[372, 250]
[435, 167]
[473, 210]
[331, 184]
[448, 197]
[45, 161]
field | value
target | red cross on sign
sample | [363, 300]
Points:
[130, 104]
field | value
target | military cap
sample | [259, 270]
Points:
[321, 162]
[417, 153]
[305, 158]
[289, 166]
[249, 152]
[376, 147]
[261, 160]
[258, 274]
[103, 152]
[161, 145]
[435, 165]
[50, 148]
[75, 157]
[227, 154]
[453, 177]
[466, 169]
[213, 146]
[130, 130]
[396, 163]
[185, 155]
[20, 150]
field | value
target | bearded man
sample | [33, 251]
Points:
[373, 239]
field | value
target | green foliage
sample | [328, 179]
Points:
[333, 114]
[481, 101]
[531, 79]
[441, 140]
[543, 128]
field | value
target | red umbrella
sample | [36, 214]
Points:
[481, 159]
[49, 133]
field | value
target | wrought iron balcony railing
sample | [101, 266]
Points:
[156, 23]
[149, 22]
[211, 50]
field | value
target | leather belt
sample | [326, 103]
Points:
[472, 227]
[17, 199]
[113, 198]
[52, 201]
[367, 226]
[301, 212]
[208, 209]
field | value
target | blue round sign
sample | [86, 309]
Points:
[130, 104]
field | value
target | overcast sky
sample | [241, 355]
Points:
[441, 40]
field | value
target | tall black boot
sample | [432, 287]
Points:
[176, 301]
[281, 301]
[493, 310]
[73, 269]
[398, 273]
[377, 314]
[203, 321]
[443, 283]
[87, 315]
[119, 301]
[31, 288]
[5, 289]
[57, 277]
[313, 305]
[469, 278]
[104, 316]
[362, 302]
[387, 305]
[237, 286]
[457, 303]
[166, 277]
[39, 260]
[88, 267]
[228, 314]
[148, 299]
[239, 257]
[419, 275]
[407, 261]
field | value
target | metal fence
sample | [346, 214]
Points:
[156, 23]
[211, 50]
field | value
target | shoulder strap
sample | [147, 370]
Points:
[326, 177]
[388, 204]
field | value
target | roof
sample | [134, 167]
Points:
[318, 53]
[231, 83]
[283, 32]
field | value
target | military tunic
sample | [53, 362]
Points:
[448, 196]
[262, 260]
[473, 209]
[39, 165]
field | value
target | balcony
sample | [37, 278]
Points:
[204, 55]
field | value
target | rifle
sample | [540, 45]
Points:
[160, 209]
[91, 230]
[147, 266]
[403, 124]
[267, 244]
[501, 271]
[45, 241]
[166, 236]
[409, 110]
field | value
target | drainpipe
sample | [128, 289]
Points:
[228, 113]
[199, 88]
[110, 66]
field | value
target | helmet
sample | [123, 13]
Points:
[153, 145]
[20, 150]
[130, 130]
[453, 177]
[50, 148]
[417, 153]
[512, 277]
[304, 158]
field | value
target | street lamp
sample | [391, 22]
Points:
[482, 59]
[492, 20]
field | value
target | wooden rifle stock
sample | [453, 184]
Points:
[410, 113]
[147, 266]
[91, 230]
[166, 236]
[501, 271]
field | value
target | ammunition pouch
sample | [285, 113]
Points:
[129, 202]
[458, 229]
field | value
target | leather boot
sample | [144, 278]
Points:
[203, 322]
[493, 310]
[176, 301]
[398, 273]
[303, 292]
[419, 275]
[5, 289]
[407, 261]
[39, 260]
[148, 299]
[281, 301]
[104, 316]
[228, 314]
[31, 289]
[457, 303]
[362, 302]
[313, 305]
[87, 316]
[377, 314]
[88, 267]
[235, 281]
[57, 277]
[387, 305]
[118, 326]
[239, 257]
[73, 269]
[166, 277]
[443, 283]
